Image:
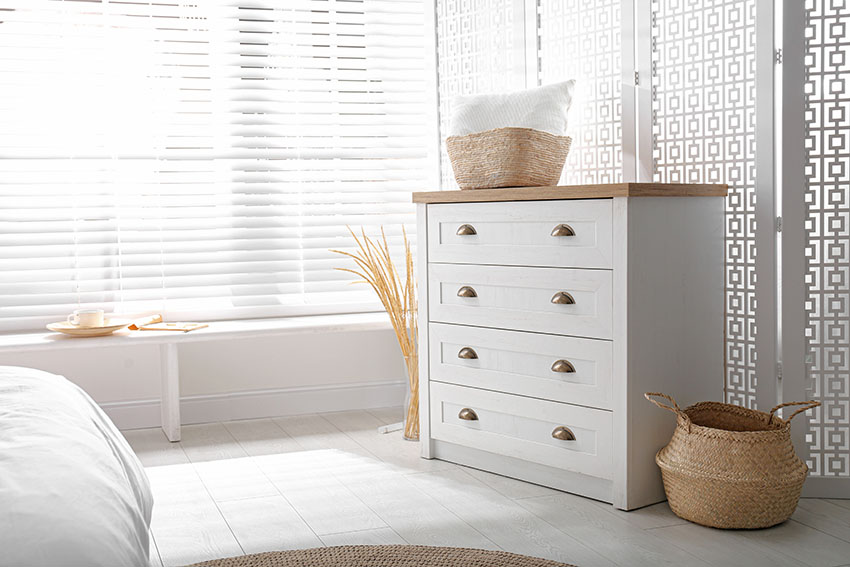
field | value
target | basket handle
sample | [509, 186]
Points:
[808, 405]
[674, 408]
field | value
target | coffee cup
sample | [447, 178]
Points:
[86, 318]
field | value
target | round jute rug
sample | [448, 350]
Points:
[383, 556]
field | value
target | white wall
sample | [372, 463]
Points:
[238, 379]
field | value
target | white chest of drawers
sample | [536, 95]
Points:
[546, 313]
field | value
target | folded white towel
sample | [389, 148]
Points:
[541, 108]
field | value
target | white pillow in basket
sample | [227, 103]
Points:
[541, 108]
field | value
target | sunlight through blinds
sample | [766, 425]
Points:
[200, 158]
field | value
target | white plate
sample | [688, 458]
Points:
[110, 326]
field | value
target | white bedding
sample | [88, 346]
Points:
[72, 492]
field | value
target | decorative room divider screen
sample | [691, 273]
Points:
[826, 249]
[671, 91]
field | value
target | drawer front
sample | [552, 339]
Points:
[564, 369]
[523, 428]
[521, 234]
[524, 299]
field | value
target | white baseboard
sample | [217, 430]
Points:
[257, 404]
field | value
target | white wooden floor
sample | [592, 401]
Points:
[331, 479]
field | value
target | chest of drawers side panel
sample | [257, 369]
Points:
[673, 321]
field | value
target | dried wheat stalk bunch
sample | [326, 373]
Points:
[376, 268]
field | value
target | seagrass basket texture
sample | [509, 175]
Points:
[507, 157]
[731, 467]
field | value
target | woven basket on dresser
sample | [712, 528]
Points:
[507, 157]
[731, 467]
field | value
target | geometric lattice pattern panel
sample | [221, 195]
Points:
[477, 43]
[580, 39]
[703, 84]
[827, 99]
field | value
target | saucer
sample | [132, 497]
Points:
[109, 327]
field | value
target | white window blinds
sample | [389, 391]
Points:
[200, 158]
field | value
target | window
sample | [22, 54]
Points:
[200, 158]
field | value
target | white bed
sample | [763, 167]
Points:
[72, 492]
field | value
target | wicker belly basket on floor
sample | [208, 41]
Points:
[731, 467]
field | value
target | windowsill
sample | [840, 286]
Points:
[217, 330]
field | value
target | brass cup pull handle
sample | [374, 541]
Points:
[467, 353]
[563, 298]
[563, 434]
[563, 366]
[466, 230]
[466, 291]
[563, 230]
[469, 414]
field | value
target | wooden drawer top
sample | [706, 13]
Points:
[603, 191]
